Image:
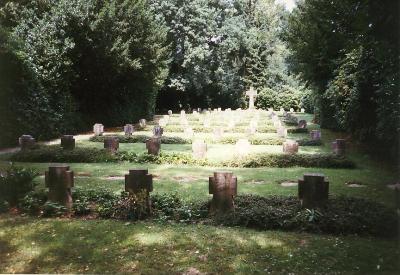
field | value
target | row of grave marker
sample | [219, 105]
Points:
[313, 189]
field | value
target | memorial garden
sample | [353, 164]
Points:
[106, 168]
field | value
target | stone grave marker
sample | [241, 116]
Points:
[142, 123]
[302, 124]
[277, 123]
[291, 110]
[60, 180]
[170, 112]
[153, 145]
[158, 131]
[223, 187]
[68, 142]
[302, 110]
[111, 144]
[281, 131]
[98, 129]
[281, 110]
[140, 181]
[252, 94]
[339, 147]
[26, 142]
[199, 149]
[290, 147]
[129, 129]
[188, 132]
[162, 122]
[315, 134]
[313, 190]
[242, 147]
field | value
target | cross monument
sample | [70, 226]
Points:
[252, 94]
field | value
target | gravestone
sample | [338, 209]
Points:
[315, 134]
[111, 144]
[199, 149]
[281, 110]
[270, 110]
[129, 129]
[313, 190]
[218, 132]
[252, 94]
[26, 142]
[162, 123]
[242, 147]
[302, 124]
[339, 147]
[158, 131]
[139, 181]
[142, 123]
[153, 145]
[302, 110]
[188, 132]
[290, 147]
[183, 113]
[291, 110]
[170, 112]
[223, 187]
[281, 131]
[184, 122]
[277, 123]
[60, 180]
[98, 129]
[68, 142]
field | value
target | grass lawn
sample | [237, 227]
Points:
[30, 245]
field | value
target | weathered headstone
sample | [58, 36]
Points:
[129, 129]
[339, 147]
[98, 129]
[59, 179]
[139, 181]
[170, 112]
[290, 147]
[252, 94]
[158, 131]
[153, 146]
[302, 110]
[142, 123]
[242, 147]
[26, 142]
[302, 124]
[291, 110]
[218, 132]
[281, 110]
[281, 131]
[315, 134]
[313, 190]
[223, 187]
[111, 144]
[199, 149]
[67, 142]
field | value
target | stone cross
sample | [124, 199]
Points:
[137, 181]
[339, 147]
[153, 145]
[111, 144]
[26, 142]
[68, 142]
[290, 147]
[128, 129]
[59, 179]
[252, 94]
[313, 190]
[223, 187]
[98, 129]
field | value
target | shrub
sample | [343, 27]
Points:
[282, 160]
[297, 130]
[254, 141]
[53, 209]
[55, 153]
[309, 142]
[15, 183]
[341, 215]
[142, 139]
[33, 202]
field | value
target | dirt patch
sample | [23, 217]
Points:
[289, 183]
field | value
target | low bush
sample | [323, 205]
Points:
[201, 129]
[283, 160]
[309, 142]
[254, 141]
[297, 130]
[341, 215]
[15, 183]
[55, 153]
[142, 139]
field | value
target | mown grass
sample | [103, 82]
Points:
[105, 246]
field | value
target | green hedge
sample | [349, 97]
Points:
[142, 139]
[341, 215]
[179, 129]
[92, 155]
